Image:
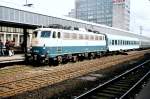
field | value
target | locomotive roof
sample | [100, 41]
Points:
[82, 31]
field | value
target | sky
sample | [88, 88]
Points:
[140, 11]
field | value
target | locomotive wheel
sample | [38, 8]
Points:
[27, 60]
[74, 58]
[46, 61]
[59, 59]
[92, 56]
[99, 55]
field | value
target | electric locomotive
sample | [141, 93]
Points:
[50, 45]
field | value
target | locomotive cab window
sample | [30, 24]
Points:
[45, 34]
[34, 35]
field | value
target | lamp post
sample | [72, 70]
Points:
[141, 29]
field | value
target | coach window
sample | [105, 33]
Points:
[124, 42]
[115, 42]
[121, 42]
[59, 35]
[132, 42]
[54, 34]
[118, 42]
[112, 42]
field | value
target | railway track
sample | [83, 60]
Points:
[121, 86]
[14, 70]
[13, 85]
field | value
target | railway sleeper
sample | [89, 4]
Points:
[97, 97]
[117, 88]
[127, 80]
[102, 94]
[124, 85]
[130, 81]
[127, 83]
[115, 92]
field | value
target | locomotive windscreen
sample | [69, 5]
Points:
[45, 34]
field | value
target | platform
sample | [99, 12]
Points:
[145, 92]
[14, 58]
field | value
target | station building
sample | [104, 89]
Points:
[113, 13]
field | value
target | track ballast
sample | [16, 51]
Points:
[121, 86]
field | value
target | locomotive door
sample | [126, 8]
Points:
[59, 43]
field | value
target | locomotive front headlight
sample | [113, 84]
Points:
[44, 46]
[28, 50]
[47, 52]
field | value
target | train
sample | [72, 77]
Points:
[55, 45]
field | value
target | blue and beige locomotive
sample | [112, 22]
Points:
[56, 45]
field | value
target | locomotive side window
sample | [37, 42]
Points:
[74, 36]
[34, 35]
[100, 37]
[91, 37]
[59, 35]
[96, 37]
[103, 37]
[45, 34]
[66, 35]
[54, 34]
[80, 36]
[86, 37]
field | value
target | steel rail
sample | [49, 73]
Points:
[114, 79]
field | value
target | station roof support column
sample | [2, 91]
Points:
[25, 35]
